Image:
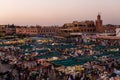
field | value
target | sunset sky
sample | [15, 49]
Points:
[57, 12]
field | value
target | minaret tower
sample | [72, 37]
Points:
[99, 26]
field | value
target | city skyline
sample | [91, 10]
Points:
[57, 12]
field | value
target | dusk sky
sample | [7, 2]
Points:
[57, 12]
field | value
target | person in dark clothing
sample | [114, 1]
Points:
[10, 76]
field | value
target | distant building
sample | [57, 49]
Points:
[2, 29]
[80, 27]
[8, 29]
[49, 30]
[27, 30]
[38, 30]
[109, 29]
[85, 27]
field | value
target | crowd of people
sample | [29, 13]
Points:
[29, 67]
[108, 42]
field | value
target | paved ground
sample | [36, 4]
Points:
[52, 76]
[4, 67]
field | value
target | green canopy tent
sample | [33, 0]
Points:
[50, 55]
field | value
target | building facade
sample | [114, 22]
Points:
[49, 31]
[38, 30]
[78, 27]
[110, 29]
[1, 26]
[27, 30]
[8, 29]
[85, 27]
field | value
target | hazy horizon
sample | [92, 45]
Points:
[57, 12]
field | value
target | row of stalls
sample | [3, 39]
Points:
[53, 52]
[14, 41]
[74, 64]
